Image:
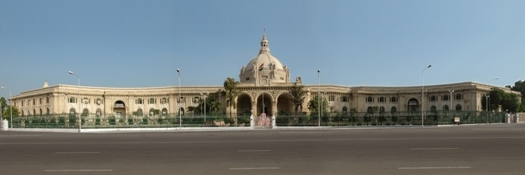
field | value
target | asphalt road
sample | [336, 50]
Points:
[480, 149]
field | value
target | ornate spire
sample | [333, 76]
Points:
[264, 45]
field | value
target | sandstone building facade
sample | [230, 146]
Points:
[264, 87]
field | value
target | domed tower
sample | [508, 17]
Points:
[264, 69]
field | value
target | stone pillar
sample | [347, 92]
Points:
[274, 125]
[252, 120]
[4, 125]
[254, 108]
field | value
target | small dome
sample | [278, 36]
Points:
[264, 68]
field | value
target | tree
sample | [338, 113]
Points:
[520, 87]
[507, 101]
[212, 104]
[313, 105]
[297, 93]
[7, 112]
[3, 105]
[230, 86]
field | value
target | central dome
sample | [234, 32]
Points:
[264, 69]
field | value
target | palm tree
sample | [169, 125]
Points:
[212, 104]
[297, 93]
[313, 104]
[230, 86]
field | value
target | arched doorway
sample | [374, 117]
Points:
[413, 105]
[164, 111]
[119, 109]
[284, 104]
[244, 105]
[266, 107]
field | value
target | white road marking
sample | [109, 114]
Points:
[254, 150]
[424, 149]
[81, 170]
[77, 152]
[256, 168]
[431, 168]
[19, 135]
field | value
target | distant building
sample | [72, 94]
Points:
[264, 77]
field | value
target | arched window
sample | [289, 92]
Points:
[382, 99]
[40, 112]
[344, 99]
[393, 110]
[164, 111]
[151, 101]
[85, 112]
[369, 99]
[458, 107]
[72, 111]
[47, 99]
[433, 109]
[459, 96]
[393, 100]
[345, 110]
[445, 108]
[139, 101]
[370, 110]
[433, 98]
[151, 112]
[446, 98]
[47, 111]
[99, 112]
[99, 101]
[139, 112]
[34, 111]
[72, 100]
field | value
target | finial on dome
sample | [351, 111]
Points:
[264, 44]
[45, 84]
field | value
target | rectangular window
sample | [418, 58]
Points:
[344, 99]
[331, 98]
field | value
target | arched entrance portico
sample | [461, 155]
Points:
[413, 105]
[244, 105]
[264, 104]
[119, 109]
[284, 104]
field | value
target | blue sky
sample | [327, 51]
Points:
[136, 43]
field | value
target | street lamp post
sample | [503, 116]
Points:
[422, 93]
[204, 107]
[319, 100]
[205, 95]
[10, 108]
[450, 99]
[80, 104]
[487, 97]
[180, 115]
